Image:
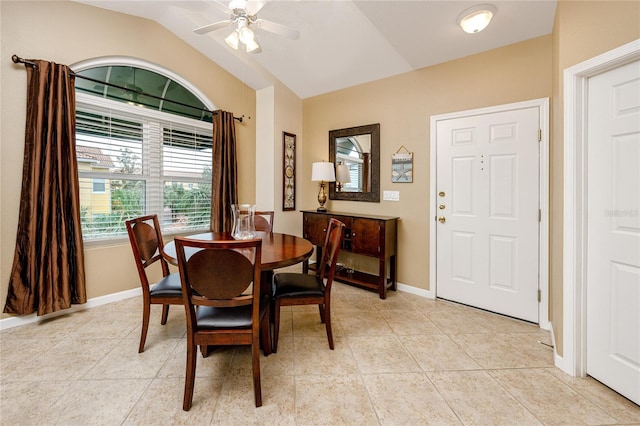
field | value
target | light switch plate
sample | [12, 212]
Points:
[391, 195]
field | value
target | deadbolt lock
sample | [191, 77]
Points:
[441, 206]
[441, 193]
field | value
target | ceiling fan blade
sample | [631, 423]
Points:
[279, 29]
[254, 6]
[212, 27]
[223, 7]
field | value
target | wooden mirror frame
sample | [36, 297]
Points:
[374, 194]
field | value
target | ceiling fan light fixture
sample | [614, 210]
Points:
[246, 35]
[243, 20]
[232, 39]
[251, 46]
[476, 19]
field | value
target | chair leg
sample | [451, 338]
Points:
[276, 326]
[165, 314]
[189, 381]
[322, 318]
[265, 332]
[255, 363]
[327, 323]
[204, 349]
[146, 311]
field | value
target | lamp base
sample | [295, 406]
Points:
[322, 198]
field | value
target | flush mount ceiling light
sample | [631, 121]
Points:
[476, 19]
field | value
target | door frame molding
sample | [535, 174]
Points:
[574, 228]
[543, 195]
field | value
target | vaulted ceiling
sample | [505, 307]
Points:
[343, 43]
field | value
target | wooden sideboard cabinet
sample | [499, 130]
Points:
[367, 235]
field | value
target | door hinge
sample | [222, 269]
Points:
[539, 215]
[539, 295]
[539, 135]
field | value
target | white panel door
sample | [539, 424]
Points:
[613, 230]
[487, 238]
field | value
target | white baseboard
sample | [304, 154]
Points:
[559, 361]
[546, 325]
[417, 291]
[17, 321]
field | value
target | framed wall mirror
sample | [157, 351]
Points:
[356, 154]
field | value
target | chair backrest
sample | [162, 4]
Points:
[147, 245]
[261, 223]
[219, 274]
[331, 249]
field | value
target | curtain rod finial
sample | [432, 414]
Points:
[15, 59]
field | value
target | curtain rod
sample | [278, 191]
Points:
[18, 60]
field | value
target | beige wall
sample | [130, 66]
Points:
[582, 30]
[69, 32]
[403, 106]
[288, 118]
[279, 110]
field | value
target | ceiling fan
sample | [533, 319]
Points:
[244, 15]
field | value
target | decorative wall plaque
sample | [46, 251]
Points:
[288, 171]
[402, 166]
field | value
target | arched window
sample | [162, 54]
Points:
[143, 138]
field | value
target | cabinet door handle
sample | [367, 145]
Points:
[353, 234]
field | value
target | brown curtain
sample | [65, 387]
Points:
[48, 265]
[224, 185]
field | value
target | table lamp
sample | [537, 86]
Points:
[322, 172]
[342, 175]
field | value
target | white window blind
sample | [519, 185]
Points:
[151, 163]
[186, 164]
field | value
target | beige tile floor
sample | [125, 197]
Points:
[405, 360]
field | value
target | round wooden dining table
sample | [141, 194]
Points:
[278, 250]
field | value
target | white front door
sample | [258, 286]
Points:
[613, 230]
[487, 206]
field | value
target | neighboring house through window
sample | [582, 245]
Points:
[141, 154]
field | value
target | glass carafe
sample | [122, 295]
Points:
[243, 221]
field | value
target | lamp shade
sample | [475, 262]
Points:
[342, 173]
[323, 171]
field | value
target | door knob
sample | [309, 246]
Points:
[442, 219]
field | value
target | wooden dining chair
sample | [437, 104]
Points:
[261, 223]
[223, 302]
[291, 288]
[146, 242]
